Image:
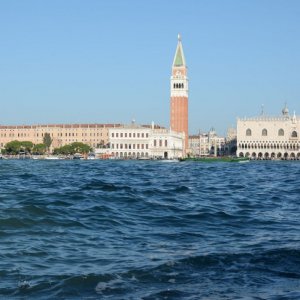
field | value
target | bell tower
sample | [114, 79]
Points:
[179, 93]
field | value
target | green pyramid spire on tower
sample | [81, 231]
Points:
[179, 59]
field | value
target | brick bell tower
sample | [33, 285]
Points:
[179, 94]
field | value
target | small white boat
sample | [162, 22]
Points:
[170, 160]
[243, 161]
[52, 157]
[37, 157]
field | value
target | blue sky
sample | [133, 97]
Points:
[110, 61]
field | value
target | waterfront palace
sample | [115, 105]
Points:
[265, 137]
[94, 135]
[136, 141]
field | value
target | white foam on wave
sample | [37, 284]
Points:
[110, 285]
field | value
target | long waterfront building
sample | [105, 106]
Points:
[94, 135]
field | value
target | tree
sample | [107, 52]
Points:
[81, 148]
[39, 149]
[47, 140]
[26, 146]
[64, 150]
[15, 147]
[73, 148]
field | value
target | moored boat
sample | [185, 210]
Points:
[143, 158]
[51, 157]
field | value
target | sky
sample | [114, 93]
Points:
[99, 61]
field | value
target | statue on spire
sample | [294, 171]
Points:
[285, 111]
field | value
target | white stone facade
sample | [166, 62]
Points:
[134, 141]
[266, 137]
[206, 144]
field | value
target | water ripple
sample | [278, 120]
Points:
[149, 230]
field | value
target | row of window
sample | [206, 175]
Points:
[272, 155]
[75, 134]
[160, 143]
[53, 128]
[12, 135]
[129, 146]
[129, 134]
[65, 141]
[12, 131]
[42, 134]
[270, 142]
[178, 85]
[130, 154]
[270, 146]
[264, 132]
[136, 146]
